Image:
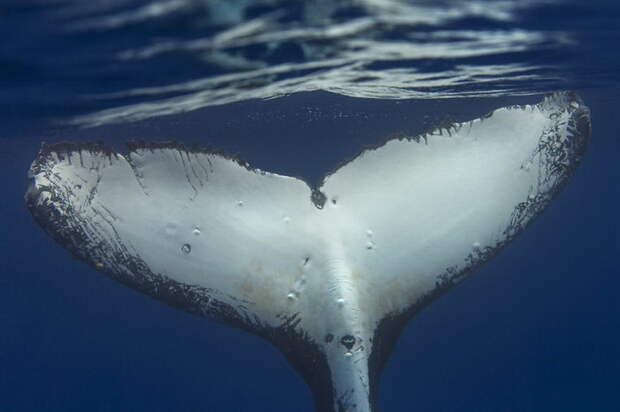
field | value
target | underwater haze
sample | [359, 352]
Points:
[298, 88]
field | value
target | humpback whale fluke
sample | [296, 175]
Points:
[330, 275]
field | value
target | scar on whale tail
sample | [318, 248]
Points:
[328, 274]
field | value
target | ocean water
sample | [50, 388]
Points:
[298, 87]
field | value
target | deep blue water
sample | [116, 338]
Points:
[536, 329]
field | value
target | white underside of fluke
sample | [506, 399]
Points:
[384, 232]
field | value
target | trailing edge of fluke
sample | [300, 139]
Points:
[328, 274]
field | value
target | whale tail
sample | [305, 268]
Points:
[329, 274]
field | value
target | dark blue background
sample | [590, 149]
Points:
[536, 329]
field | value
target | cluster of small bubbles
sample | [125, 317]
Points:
[186, 248]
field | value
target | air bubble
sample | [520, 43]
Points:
[532, 197]
[196, 231]
[286, 219]
[574, 105]
[476, 245]
[240, 203]
[347, 341]
[340, 302]
[369, 233]
[291, 296]
[348, 354]
[370, 245]
[186, 248]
